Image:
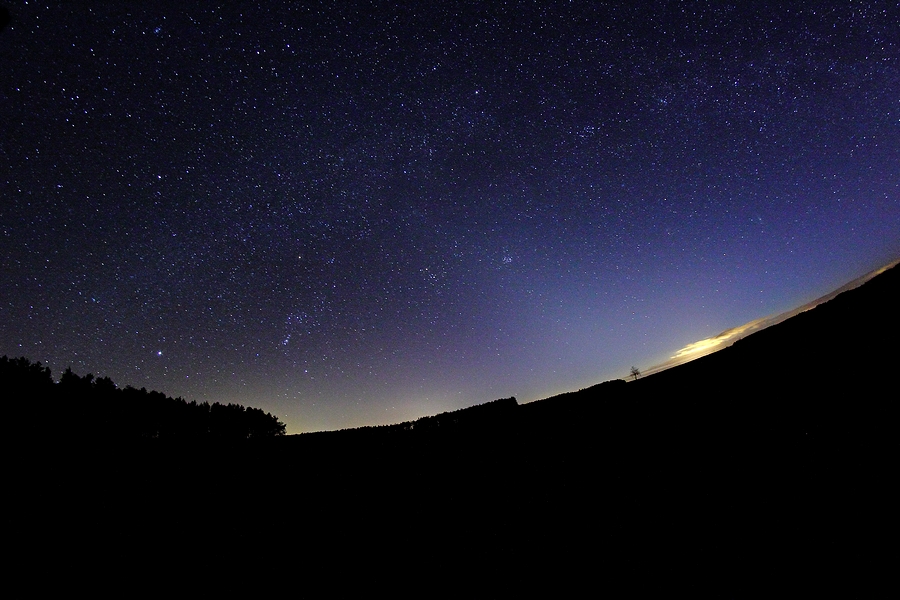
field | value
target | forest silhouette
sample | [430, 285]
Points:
[772, 460]
[85, 407]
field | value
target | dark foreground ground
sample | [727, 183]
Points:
[770, 467]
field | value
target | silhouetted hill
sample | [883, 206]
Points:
[769, 463]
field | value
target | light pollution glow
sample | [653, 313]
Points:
[701, 348]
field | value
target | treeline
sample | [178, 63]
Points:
[89, 407]
[481, 415]
[479, 418]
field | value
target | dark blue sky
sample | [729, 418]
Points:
[362, 215]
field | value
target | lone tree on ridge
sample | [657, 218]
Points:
[635, 373]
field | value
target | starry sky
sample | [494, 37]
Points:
[361, 213]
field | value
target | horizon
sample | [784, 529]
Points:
[688, 353]
[357, 214]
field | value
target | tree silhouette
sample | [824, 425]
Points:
[95, 408]
[635, 373]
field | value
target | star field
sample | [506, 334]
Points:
[366, 213]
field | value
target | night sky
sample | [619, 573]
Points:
[364, 214]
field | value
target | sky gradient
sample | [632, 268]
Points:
[362, 215]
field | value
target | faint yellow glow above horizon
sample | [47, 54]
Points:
[699, 347]
[706, 346]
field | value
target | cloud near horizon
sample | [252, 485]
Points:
[706, 346]
[699, 349]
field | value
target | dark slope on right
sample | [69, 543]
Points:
[843, 352]
[850, 340]
[826, 371]
[776, 456]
